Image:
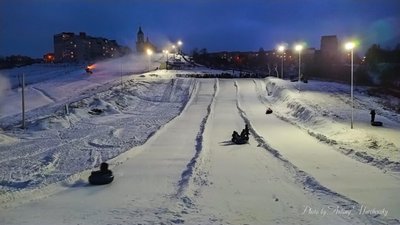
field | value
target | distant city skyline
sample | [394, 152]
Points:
[27, 26]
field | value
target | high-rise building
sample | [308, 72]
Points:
[329, 49]
[69, 47]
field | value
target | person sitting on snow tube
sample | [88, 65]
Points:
[242, 138]
[245, 132]
[235, 136]
[102, 176]
[269, 111]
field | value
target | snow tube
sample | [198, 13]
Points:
[98, 178]
[240, 141]
[376, 124]
[269, 111]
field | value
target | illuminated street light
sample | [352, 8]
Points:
[350, 46]
[281, 49]
[166, 52]
[298, 48]
[180, 43]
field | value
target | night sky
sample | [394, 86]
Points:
[27, 26]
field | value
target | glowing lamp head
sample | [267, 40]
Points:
[180, 43]
[349, 45]
[298, 48]
[173, 46]
[91, 67]
[281, 48]
[149, 51]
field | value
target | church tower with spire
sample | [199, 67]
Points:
[141, 44]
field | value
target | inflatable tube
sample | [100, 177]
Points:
[269, 111]
[376, 124]
[101, 178]
[240, 141]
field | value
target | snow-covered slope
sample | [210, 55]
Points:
[168, 142]
[58, 145]
[190, 173]
[323, 109]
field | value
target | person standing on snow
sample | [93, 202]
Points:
[372, 115]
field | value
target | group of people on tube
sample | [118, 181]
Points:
[243, 137]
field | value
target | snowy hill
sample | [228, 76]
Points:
[324, 110]
[167, 140]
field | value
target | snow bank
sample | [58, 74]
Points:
[99, 127]
[324, 110]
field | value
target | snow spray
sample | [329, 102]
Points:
[132, 63]
[4, 87]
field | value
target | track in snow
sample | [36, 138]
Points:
[363, 183]
[217, 182]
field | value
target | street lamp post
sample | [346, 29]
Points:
[166, 62]
[350, 46]
[299, 48]
[180, 43]
[281, 49]
[174, 50]
[149, 53]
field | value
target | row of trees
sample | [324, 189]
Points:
[16, 61]
[379, 67]
[386, 64]
[257, 62]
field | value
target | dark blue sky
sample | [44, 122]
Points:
[27, 26]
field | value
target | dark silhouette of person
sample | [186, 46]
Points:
[104, 169]
[372, 115]
[235, 136]
[245, 132]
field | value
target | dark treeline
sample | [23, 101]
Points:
[380, 67]
[376, 54]
[16, 61]
[385, 63]
[239, 61]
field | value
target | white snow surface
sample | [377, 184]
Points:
[323, 109]
[167, 140]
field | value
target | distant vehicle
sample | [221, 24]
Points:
[89, 69]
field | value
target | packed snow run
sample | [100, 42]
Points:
[168, 142]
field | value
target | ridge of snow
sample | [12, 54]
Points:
[322, 112]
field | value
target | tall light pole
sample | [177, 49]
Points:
[166, 52]
[149, 53]
[350, 46]
[298, 48]
[180, 43]
[174, 50]
[281, 49]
